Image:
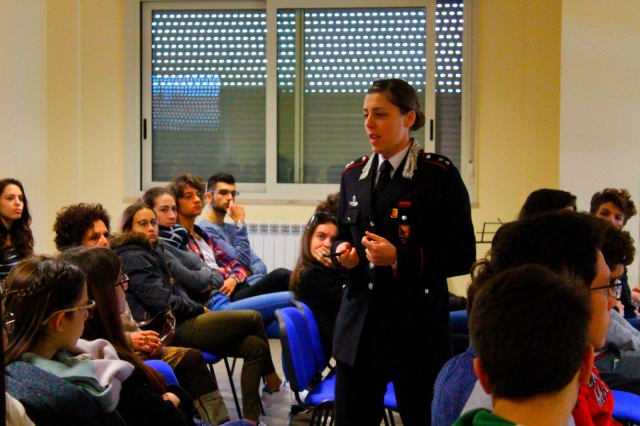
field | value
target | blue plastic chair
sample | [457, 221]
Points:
[390, 397]
[301, 366]
[164, 369]
[314, 332]
[626, 407]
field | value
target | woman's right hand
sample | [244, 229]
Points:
[349, 257]
[171, 397]
[318, 254]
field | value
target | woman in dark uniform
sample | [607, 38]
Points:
[404, 228]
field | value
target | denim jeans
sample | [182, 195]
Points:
[265, 304]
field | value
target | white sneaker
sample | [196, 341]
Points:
[269, 396]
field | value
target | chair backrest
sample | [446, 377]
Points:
[314, 331]
[298, 356]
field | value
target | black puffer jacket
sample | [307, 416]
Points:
[150, 286]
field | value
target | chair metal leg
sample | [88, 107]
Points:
[391, 419]
[233, 388]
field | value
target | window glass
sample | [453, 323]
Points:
[327, 59]
[208, 93]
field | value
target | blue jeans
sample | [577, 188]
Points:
[265, 304]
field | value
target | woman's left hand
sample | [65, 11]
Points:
[379, 251]
[324, 261]
[147, 341]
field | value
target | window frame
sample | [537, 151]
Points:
[272, 192]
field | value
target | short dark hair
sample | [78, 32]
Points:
[177, 187]
[220, 177]
[619, 197]
[403, 95]
[330, 205]
[530, 329]
[545, 201]
[617, 248]
[73, 222]
[566, 242]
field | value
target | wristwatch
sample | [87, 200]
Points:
[240, 224]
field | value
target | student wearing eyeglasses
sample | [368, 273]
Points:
[226, 333]
[189, 193]
[45, 369]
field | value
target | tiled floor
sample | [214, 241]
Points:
[277, 409]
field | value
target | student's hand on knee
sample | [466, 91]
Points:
[228, 286]
[147, 341]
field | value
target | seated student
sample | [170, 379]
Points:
[234, 238]
[315, 280]
[49, 300]
[107, 287]
[547, 200]
[199, 280]
[188, 191]
[530, 382]
[226, 333]
[88, 225]
[82, 225]
[16, 239]
[616, 206]
[566, 242]
[145, 388]
[16, 414]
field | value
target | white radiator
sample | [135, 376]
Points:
[277, 244]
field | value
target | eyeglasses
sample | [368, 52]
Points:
[321, 217]
[9, 321]
[615, 288]
[145, 223]
[89, 308]
[225, 192]
[124, 282]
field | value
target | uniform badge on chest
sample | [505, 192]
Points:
[404, 229]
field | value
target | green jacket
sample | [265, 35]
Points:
[481, 417]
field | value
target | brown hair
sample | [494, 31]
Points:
[403, 95]
[619, 197]
[102, 268]
[306, 259]
[37, 287]
[20, 230]
[126, 224]
[177, 187]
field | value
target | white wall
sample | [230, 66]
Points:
[23, 106]
[600, 101]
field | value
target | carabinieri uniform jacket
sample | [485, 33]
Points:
[402, 317]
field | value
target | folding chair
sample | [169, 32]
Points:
[164, 369]
[626, 407]
[390, 403]
[301, 366]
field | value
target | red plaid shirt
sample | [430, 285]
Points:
[229, 266]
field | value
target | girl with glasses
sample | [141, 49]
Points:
[226, 333]
[60, 378]
[16, 239]
[102, 269]
[106, 285]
